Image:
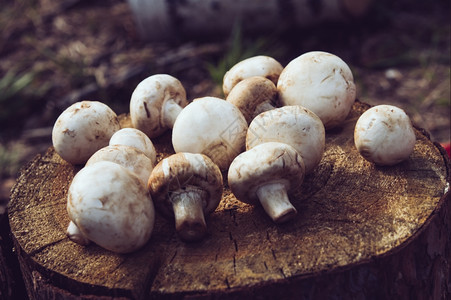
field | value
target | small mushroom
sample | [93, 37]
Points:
[110, 206]
[294, 125]
[384, 135]
[321, 82]
[135, 138]
[261, 65]
[210, 126]
[186, 187]
[253, 96]
[265, 174]
[156, 103]
[129, 157]
[82, 129]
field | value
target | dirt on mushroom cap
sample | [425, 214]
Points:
[111, 207]
[261, 65]
[211, 126]
[82, 129]
[294, 125]
[265, 163]
[180, 170]
[384, 135]
[251, 92]
[321, 82]
[147, 102]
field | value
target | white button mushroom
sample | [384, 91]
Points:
[321, 82]
[186, 187]
[261, 65]
[265, 174]
[156, 103]
[82, 129]
[129, 157]
[110, 206]
[253, 96]
[384, 135]
[135, 138]
[210, 126]
[294, 125]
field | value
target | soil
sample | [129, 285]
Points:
[55, 53]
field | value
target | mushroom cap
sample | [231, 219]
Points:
[384, 135]
[250, 93]
[260, 65]
[293, 125]
[129, 157]
[321, 82]
[82, 129]
[211, 126]
[148, 100]
[270, 162]
[111, 207]
[135, 138]
[182, 170]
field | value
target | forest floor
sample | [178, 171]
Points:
[55, 53]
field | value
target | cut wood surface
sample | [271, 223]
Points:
[361, 231]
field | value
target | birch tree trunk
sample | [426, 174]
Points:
[362, 232]
[171, 19]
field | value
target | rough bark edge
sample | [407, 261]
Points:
[42, 286]
[12, 285]
[35, 279]
[382, 277]
[6, 277]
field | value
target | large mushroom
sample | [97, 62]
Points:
[110, 206]
[82, 129]
[135, 138]
[265, 174]
[210, 126]
[321, 82]
[294, 125]
[260, 65]
[384, 135]
[186, 187]
[129, 157]
[156, 103]
[253, 96]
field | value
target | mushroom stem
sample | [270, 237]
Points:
[274, 199]
[75, 235]
[265, 106]
[170, 112]
[189, 213]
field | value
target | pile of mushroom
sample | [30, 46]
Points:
[282, 145]
[267, 134]
[108, 202]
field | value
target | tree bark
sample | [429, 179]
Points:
[362, 232]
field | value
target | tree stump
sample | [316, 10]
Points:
[362, 232]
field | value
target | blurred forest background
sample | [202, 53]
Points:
[54, 53]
